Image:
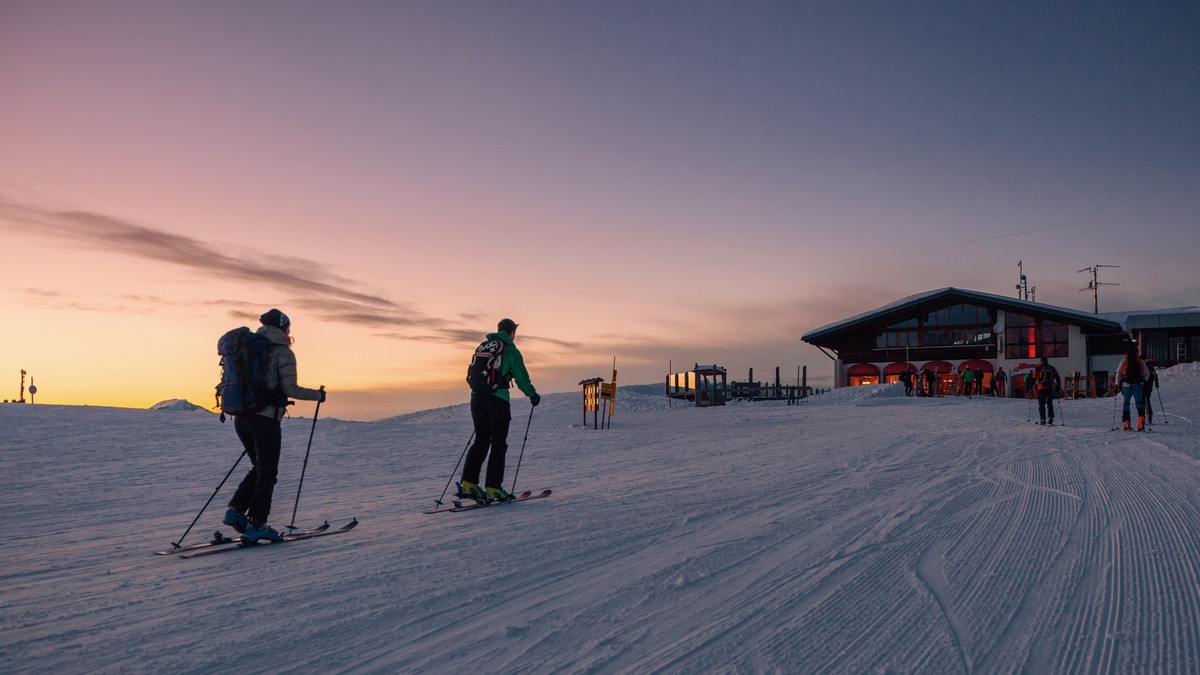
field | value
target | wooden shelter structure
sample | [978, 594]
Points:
[704, 385]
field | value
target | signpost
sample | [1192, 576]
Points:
[600, 397]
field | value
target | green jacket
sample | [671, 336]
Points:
[512, 367]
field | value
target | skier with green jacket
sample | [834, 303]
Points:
[491, 413]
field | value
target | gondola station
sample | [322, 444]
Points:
[938, 334]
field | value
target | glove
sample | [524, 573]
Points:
[535, 399]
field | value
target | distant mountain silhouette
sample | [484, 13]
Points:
[176, 404]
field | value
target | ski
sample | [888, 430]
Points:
[219, 539]
[239, 545]
[458, 501]
[462, 505]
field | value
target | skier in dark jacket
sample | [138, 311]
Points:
[1047, 381]
[262, 436]
[998, 383]
[491, 414]
[1151, 381]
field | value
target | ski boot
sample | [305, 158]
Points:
[235, 519]
[256, 530]
[1127, 427]
[497, 495]
[1141, 423]
[469, 490]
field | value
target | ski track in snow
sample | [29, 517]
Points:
[862, 532]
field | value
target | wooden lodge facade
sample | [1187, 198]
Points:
[946, 330]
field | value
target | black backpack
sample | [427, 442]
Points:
[483, 375]
[245, 359]
[1133, 371]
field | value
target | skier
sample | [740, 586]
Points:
[261, 434]
[1148, 387]
[1047, 381]
[968, 381]
[998, 382]
[1130, 376]
[491, 414]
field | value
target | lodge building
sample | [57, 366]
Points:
[946, 330]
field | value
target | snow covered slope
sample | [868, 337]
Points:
[862, 532]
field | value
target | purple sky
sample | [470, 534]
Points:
[654, 181]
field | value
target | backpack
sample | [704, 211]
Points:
[1132, 371]
[1045, 375]
[245, 360]
[483, 375]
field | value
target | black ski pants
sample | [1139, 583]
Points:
[1045, 400]
[263, 438]
[491, 416]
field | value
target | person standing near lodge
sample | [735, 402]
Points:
[1047, 381]
[262, 436]
[1131, 374]
[1148, 387]
[998, 382]
[906, 378]
[491, 414]
[930, 383]
[968, 380]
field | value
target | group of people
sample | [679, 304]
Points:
[925, 383]
[261, 432]
[1136, 378]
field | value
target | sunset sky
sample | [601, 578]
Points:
[651, 181]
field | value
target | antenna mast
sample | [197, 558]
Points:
[1095, 284]
[1023, 284]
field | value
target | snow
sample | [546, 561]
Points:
[861, 532]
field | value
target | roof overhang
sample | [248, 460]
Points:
[830, 335]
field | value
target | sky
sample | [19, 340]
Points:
[657, 183]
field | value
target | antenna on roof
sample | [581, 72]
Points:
[1095, 284]
[1023, 284]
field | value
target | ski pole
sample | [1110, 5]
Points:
[1160, 406]
[454, 473]
[1114, 415]
[304, 469]
[518, 471]
[176, 544]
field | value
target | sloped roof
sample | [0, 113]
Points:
[1089, 323]
[1175, 317]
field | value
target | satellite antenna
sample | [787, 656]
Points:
[1095, 284]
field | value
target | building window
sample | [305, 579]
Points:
[1029, 338]
[955, 326]
[958, 325]
[898, 334]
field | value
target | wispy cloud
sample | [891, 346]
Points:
[306, 284]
